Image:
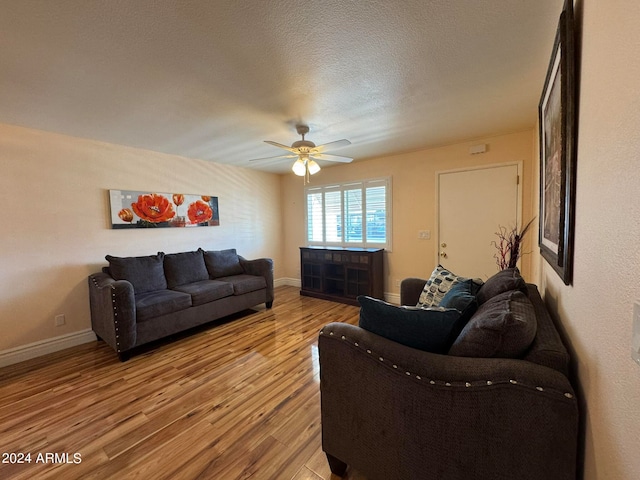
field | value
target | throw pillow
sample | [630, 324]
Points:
[461, 296]
[504, 326]
[146, 274]
[437, 286]
[429, 329]
[183, 268]
[223, 263]
[503, 281]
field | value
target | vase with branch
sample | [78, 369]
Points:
[509, 245]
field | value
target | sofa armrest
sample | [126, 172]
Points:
[113, 311]
[410, 290]
[396, 412]
[262, 267]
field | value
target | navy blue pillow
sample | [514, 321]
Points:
[461, 296]
[429, 329]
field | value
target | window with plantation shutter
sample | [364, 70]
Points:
[354, 214]
[314, 214]
[376, 218]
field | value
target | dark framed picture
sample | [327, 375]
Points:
[557, 112]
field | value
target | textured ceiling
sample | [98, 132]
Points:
[213, 79]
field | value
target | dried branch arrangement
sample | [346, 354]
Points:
[509, 245]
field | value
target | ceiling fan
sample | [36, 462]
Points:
[307, 153]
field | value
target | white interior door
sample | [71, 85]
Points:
[472, 205]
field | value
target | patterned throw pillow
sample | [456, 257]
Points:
[437, 286]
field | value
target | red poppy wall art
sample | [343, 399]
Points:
[133, 209]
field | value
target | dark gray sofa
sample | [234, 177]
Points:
[395, 412]
[136, 300]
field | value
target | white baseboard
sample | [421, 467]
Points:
[288, 281]
[43, 347]
[392, 298]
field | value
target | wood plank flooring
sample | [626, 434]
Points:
[237, 400]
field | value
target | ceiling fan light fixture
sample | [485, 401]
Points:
[313, 167]
[305, 165]
[299, 168]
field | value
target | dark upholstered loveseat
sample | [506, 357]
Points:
[136, 300]
[395, 412]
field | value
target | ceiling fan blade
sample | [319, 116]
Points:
[277, 157]
[331, 158]
[331, 146]
[279, 145]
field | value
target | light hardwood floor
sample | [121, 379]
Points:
[239, 400]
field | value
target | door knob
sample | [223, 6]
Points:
[443, 245]
[443, 254]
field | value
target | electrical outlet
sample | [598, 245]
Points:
[59, 320]
[635, 339]
[396, 282]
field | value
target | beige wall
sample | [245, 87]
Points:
[55, 228]
[413, 184]
[48, 247]
[596, 312]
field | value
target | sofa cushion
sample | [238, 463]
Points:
[183, 268]
[146, 274]
[503, 281]
[206, 291]
[430, 329]
[461, 296]
[547, 348]
[437, 286]
[245, 283]
[504, 326]
[160, 302]
[223, 263]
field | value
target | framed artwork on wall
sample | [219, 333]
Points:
[134, 209]
[557, 115]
